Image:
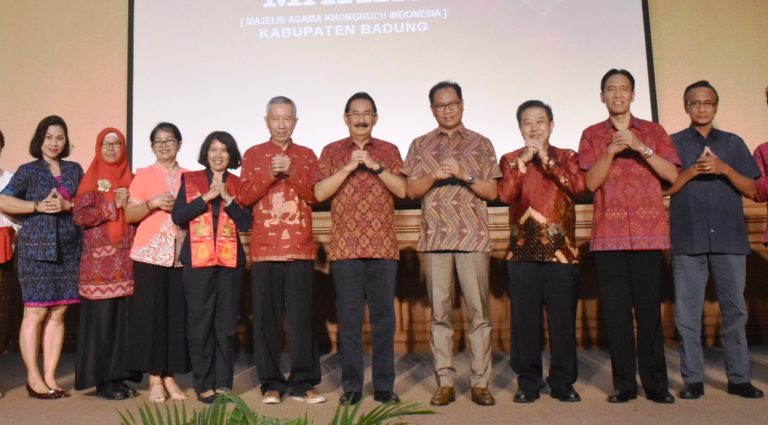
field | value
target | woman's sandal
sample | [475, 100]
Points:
[175, 392]
[157, 393]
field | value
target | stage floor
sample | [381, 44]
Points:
[415, 382]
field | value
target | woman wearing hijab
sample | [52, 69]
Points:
[157, 336]
[214, 262]
[48, 250]
[106, 270]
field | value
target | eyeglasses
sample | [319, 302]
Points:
[164, 142]
[360, 115]
[447, 106]
[701, 105]
[111, 145]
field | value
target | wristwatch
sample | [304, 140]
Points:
[380, 169]
[470, 180]
[648, 152]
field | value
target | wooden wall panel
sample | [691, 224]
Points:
[412, 306]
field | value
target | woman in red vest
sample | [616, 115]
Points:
[214, 262]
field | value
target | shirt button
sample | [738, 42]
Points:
[712, 230]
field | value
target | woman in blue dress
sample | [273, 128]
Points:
[48, 250]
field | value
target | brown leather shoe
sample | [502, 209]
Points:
[443, 396]
[482, 397]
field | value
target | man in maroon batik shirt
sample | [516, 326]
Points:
[626, 159]
[361, 175]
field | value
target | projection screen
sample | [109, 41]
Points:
[210, 65]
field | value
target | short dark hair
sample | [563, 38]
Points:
[2, 140]
[228, 141]
[36, 144]
[534, 104]
[360, 95]
[282, 100]
[444, 85]
[700, 84]
[613, 72]
[165, 126]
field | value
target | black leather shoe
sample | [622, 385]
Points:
[660, 396]
[621, 396]
[127, 389]
[386, 397]
[566, 394]
[522, 396]
[746, 390]
[207, 400]
[350, 397]
[692, 391]
[109, 391]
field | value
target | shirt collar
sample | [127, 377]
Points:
[633, 122]
[278, 147]
[714, 133]
[461, 130]
[163, 168]
[349, 143]
[209, 174]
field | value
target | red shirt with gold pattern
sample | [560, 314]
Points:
[282, 215]
[628, 211]
[542, 216]
[363, 209]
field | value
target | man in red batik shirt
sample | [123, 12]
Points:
[361, 175]
[626, 159]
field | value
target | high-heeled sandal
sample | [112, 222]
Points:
[157, 393]
[175, 392]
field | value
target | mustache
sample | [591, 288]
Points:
[361, 125]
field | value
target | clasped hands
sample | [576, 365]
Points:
[53, 203]
[533, 147]
[358, 157]
[450, 167]
[121, 197]
[281, 166]
[218, 188]
[163, 201]
[625, 139]
[709, 163]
